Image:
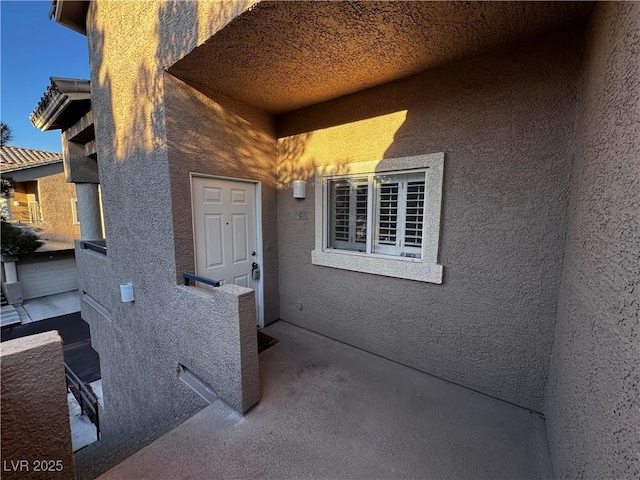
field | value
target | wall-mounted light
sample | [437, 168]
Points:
[299, 189]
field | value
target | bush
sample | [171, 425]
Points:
[16, 241]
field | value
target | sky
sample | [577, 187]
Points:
[33, 49]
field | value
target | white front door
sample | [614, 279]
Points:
[225, 229]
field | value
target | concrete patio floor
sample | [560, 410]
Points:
[329, 410]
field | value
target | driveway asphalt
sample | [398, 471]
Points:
[78, 353]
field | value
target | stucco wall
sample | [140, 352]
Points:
[224, 138]
[20, 212]
[55, 202]
[505, 124]
[53, 195]
[593, 406]
[36, 435]
[143, 342]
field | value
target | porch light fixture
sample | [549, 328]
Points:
[299, 189]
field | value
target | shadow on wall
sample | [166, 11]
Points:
[504, 120]
[214, 135]
[294, 162]
[211, 131]
[128, 65]
[128, 69]
[291, 165]
[141, 120]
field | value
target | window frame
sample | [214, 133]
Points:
[424, 269]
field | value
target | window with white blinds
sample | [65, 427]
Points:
[399, 214]
[390, 206]
[348, 213]
[381, 217]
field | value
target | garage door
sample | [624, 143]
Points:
[47, 278]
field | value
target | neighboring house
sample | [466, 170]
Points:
[471, 206]
[44, 203]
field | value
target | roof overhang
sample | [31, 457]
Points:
[31, 167]
[62, 105]
[71, 14]
[30, 173]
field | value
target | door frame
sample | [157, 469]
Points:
[257, 185]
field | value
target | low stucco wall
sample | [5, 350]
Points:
[505, 124]
[212, 333]
[94, 276]
[36, 434]
[223, 341]
[13, 292]
[592, 408]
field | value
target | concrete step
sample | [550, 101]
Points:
[9, 316]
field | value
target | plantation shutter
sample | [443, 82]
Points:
[414, 214]
[348, 213]
[399, 214]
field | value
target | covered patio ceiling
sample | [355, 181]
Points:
[282, 56]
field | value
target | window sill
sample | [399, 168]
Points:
[407, 268]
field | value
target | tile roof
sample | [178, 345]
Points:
[64, 102]
[17, 158]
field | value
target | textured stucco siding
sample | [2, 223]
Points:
[505, 124]
[228, 139]
[53, 195]
[286, 55]
[593, 397]
[78, 168]
[223, 340]
[55, 202]
[95, 275]
[35, 415]
[21, 192]
[145, 341]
